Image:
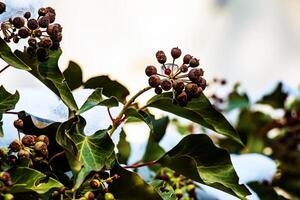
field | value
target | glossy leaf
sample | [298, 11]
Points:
[124, 148]
[199, 110]
[264, 192]
[10, 58]
[111, 88]
[96, 99]
[73, 75]
[130, 186]
[7, 102]
[51, 71]
[28, 180]
[92, 152]
[276, 98]
[197, 158]
[140, 115]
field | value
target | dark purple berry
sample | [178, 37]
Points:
[182, 98]
[194, 74]
[46, 43]
[2, 7]
[28, 140]
[54, 29]
[176, 52]
[16, 39]
[32, 42]
[184, 68]
[191, 89]
[161, 57]
[202, 83]
[18, 22]
[168, 71]
[42, 54]
[51, 17]
[178, 86]
[44, 21]
[187, 58]
[55, 46]
[150, 70]
[18, 124]
[42, 11]
[89, 196]
[32, 24]
[166, 84]
[27, 15]
[50, 10]
[56, 38]
[198, 92]
[194, 62]
[23, 32]
[31, 51]
[154, 81]
[158, 90]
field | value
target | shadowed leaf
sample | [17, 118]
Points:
[73, 75]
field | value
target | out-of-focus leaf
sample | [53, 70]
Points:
[130, 186]
[276, 98]
[237, 100]
[264, 192]
[91, 152]
[200, 111]
[7, 102]
[197, 158]
[73, 75]
[170, 195]
[10, 58]
[182, 128]
[96, 99]
[124, 148]
[110, 87]
[28, 180]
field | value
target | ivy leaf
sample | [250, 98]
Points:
[96, 99]
[264, 192]
[7, 102]
[51, 71]
[170, 195]
[200, 111]
[276, 98]
[140, 115]
[111, 88]
[130, 186]
[237, 99]
[197, 158]
[28, 180]
[73, 75]
[10, 58]
[124, 148]
[91, 152]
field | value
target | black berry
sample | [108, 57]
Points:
[27, 15]
[54, 29]
[2, 7]
[23, 32]
[194, 74]
[51, 17]
[187, 58]
[176, 52]
[150, 70]
[32, 42]
[161, 57]
[182, 98]
[18, 22]
[18, 124]
[28, 140]
[166, 84]
[158, 90]
[198, 92]
[184, 68]
[191, 89]
[32, 24]
[44, 21]
[42, 54]
[178, 86]
[46, 43]
[194, 62]
[16, 39]
[42, 11]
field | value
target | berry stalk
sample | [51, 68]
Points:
[119, 119]
[2, 70]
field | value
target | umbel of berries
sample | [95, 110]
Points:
[42, 33]
[185, 80]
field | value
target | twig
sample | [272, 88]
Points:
[2, 70]
[12, 113]
[110, 115]
[134, 166]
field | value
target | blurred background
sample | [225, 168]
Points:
[252, 42]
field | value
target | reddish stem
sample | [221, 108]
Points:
[141, 165]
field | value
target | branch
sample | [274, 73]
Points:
[134, 166]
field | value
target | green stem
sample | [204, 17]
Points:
[2, 70]
[118, 119]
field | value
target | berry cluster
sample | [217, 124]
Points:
[183, 187]
[42, 34]
[5, 185]
[186, 81]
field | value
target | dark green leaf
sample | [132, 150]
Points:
[124, 148]
[91, 152]
[10, 58]
[96, 99]
[276, 98]
[198, 110]
[264, 192]
[7, 102]
[51, 71]
[28, 180]
[130, 186]
[237, 100]
[141, 115]
[197, 158]
[110, 87]
[159, 128]
[73, 75]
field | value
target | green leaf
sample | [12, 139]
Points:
[130, 186]
[237, 100]
[140, 115]
[200, 111]
[170, 195]
[28, 180]
[110, 87]
[276, 98]
[51, 71]
[7, 102]
[73, 75]
[10, 58]
[124, 148]
[96, 99]
[197, 158]
[264, 192]
[92, 152]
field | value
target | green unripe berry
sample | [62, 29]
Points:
[23, 153]
[109, 196]
[15, 145]
[95, 183]
[8, 197]
[4, 176]
[89, 196]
